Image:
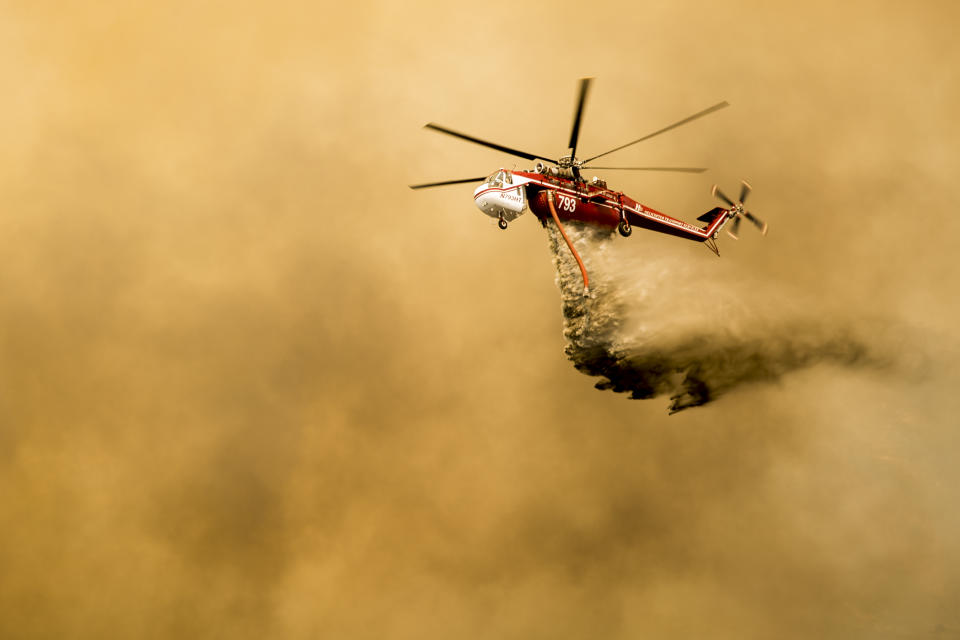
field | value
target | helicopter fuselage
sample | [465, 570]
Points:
[506, 194]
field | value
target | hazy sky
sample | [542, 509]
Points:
[252, 386]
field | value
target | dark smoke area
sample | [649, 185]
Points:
[694, 360]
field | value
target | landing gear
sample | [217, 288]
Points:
[502, 223]
[624, 226]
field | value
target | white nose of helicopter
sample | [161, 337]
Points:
[499, 198]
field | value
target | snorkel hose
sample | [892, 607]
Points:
[583, 269]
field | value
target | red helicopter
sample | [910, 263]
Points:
[561, 193]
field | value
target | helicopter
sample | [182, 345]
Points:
[555, 188]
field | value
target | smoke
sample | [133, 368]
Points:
[654, 324]
[253, 386]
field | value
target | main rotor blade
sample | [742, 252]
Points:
[744, 191]
[440, 184]
[498, 147]
[575, 131]
[720, 194]
[716, 107]
[681, 169]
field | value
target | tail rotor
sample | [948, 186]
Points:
[737, 211]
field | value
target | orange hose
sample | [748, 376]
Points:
[583, 269]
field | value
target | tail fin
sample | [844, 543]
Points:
[711, 216]
[715, 219]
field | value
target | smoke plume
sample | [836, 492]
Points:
[652, 325]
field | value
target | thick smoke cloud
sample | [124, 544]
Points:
[252, 386]
[653, 326]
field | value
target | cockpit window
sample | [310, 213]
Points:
[500, 178]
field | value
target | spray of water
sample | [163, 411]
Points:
[658, 324]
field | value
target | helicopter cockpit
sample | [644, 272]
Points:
[499, 198]
[499, 179]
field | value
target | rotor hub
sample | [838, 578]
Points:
[567, 162]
